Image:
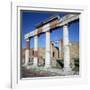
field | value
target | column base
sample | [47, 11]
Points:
[67, 71]
[27, 66]
[35, 62]
[34, 66]
[24, 65]
[47, 66]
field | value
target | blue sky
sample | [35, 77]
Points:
[31, 18]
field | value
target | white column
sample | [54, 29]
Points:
[27, 52]
[66, 48]
[35, 50]
[47, 52]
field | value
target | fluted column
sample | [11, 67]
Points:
[47, 52]
[66, 48]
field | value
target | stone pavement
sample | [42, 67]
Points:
[45, 72]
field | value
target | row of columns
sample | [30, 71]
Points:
[47, 56]
[47, 51]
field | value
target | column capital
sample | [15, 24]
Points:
[47, 31]
[66, 24]
[27, 40]
[36, 35]
[27, 43]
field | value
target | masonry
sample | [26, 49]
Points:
[55, 54]
[50, 52]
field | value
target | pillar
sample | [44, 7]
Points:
[66, 48]
[60, 49]
[51, 47]
[27, 52]
[47, 51]
[35, 50]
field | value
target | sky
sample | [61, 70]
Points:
[29, 19]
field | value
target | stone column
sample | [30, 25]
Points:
[60, 49]
[66, 48]
[47, 52]
[51, 47]
[27, 51]
[35, 50]
[52, 59]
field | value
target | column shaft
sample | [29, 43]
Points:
[47, 57]
[35, 50]
[66, 48]
[60, 49]
[27, 51]
[51, 47]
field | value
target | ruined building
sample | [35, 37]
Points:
[56, 54]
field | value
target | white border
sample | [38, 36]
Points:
[15, 79]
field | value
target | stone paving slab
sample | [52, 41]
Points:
[43, 72]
